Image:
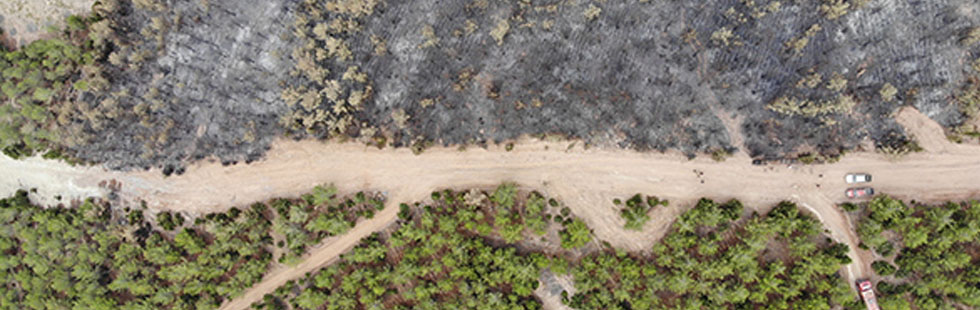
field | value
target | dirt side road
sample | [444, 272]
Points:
[585, 180]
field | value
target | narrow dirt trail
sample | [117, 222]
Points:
[585, 180]
[323, 254]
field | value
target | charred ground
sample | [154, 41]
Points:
[188, 80]
[649, 75]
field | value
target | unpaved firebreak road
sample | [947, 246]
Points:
[585, 180]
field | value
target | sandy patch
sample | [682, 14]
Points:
[24, 21]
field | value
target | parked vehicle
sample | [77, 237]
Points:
[852, 178]
[859, 192]
[868, 294]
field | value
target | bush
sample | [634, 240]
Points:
[135, 217]
[165, 220]
[720, 155]
[575, 234]
[883, 268]
[886, 288]
[635, 211]
[886, 249]
[404, 212]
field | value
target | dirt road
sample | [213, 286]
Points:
[585, 180]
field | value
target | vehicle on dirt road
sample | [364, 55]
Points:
[868, 294]
[859, 192]
[852, 178]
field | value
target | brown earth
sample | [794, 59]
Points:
[585, 179]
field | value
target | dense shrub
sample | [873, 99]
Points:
[713, 258]
[90, 258]
[457, 253]
[935, 252]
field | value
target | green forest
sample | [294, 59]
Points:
[459, 252]
[929, 254]
[307, 220]
[716, 258]
[479, 249]
[470, 250]
[95, 256]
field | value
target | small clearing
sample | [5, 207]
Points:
[24, 21]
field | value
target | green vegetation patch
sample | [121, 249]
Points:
[935, 250]
[307, 220]
[636, 210]
[454, 254]
[714, 258]
[96, 257]
[460, 252]
[36, 83]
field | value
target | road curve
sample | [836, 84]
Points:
[586, 180]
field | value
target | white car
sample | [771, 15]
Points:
[851, 178]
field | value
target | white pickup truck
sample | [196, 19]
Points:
[851, 178]
[868, 294]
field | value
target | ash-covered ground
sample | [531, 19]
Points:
[814, 75]
[649, 75]
[196, 79]
[624, 75]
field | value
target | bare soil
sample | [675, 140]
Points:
[549, 292]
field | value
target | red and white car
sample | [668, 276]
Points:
[859, 192]
[868, 294]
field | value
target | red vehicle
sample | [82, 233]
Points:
[868, 294]
[859, 192]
